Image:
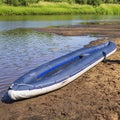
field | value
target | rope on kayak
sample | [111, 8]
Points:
[104, 55]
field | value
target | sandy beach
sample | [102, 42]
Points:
[95, 95]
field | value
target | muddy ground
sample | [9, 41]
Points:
[93, 96]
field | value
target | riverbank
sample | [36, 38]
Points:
[47, 8]
[93, 96]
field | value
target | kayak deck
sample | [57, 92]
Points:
[63, 69]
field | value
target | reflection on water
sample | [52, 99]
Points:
[13, 22]
[8, 25]
[22, 50]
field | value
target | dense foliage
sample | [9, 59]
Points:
[27, 2]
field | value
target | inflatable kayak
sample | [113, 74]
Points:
[59, 72]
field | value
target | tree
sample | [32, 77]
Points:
[12, 2]
[94, 2]
[15, 2]
[108, 1]
[81, 1]
[1, 1]
[20, 2]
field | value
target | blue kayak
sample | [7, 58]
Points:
[59, 72]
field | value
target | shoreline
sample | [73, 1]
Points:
[95, 95]
[105, 29]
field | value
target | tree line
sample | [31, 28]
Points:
[27, 2]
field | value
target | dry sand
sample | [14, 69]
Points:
[93, 96]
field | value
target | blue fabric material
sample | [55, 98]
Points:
[63, 67]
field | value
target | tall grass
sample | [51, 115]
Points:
[47, 8]
[108, 9]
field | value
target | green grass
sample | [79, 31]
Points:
[46, 8]
[108, 9]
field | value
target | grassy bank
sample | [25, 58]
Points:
[108, 9]
[45, 8]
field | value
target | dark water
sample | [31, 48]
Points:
[22, 50]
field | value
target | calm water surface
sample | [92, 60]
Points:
[22, 50]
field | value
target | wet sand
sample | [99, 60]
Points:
[95, 95]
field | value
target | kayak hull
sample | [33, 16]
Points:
[17, 94]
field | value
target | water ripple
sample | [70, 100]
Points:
[22, 50]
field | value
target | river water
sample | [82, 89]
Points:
[22, 49]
